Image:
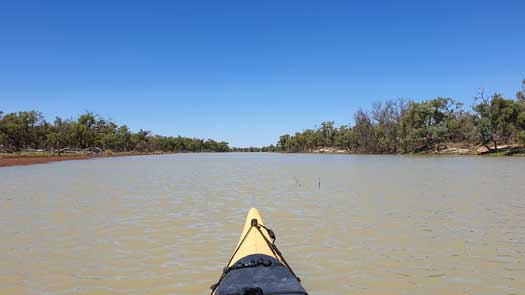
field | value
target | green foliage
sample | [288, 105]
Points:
[28, 130]
[498, 120]
[345, 138]
[428, 123]
[20, 130]
[406, 127]
[390, 127]
[252, 149]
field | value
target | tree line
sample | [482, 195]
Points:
[254, 149]
[407, 126]
[29, 130]
[393, 126]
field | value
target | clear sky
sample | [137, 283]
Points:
[248, 71]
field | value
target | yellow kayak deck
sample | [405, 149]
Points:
[252, 240]
[256, 266]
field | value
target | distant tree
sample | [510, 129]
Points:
[282, 144]
[327, 132]
[123, 141]
[462, 129]
[520, 122]
[426, 124]
[497, 119]
[270, 148]
[346, 138]
[386, 119]
[365, 133]
[3, 136]
[84, 131]
[21, 130]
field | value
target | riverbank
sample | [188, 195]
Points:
[449, 149]
[22, 159]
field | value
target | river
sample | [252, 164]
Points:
[347, 224]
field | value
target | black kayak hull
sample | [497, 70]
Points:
[259, 274]
[257, 267]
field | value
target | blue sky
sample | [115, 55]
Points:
[248, 71]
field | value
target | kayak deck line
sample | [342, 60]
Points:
[257, 267]
[253, 242]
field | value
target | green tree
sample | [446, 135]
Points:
[21, 130]
[84, 131]
[386, 118]
[282, 144]
[366, 139]
[426, 124]
[346, 138]
[327, 132]
[497, 119]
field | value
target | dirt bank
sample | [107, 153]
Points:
[7, 160]
[25, 160]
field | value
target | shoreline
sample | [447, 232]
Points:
[33, 160]
[11, 160]
[509, 150]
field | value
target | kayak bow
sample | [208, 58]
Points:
[256, 266]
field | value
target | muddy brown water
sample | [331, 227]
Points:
[347, 224]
